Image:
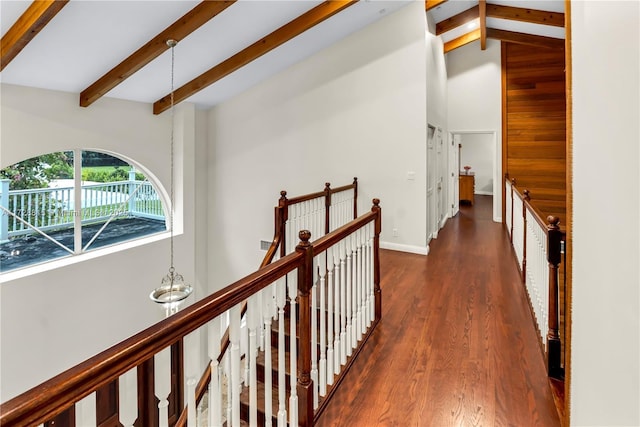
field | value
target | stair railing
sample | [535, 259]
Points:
[538, 246]
[71, 396]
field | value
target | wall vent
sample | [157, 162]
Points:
[264, 245]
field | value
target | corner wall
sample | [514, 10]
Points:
[605, 345]
[357, 108]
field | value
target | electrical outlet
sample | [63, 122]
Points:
[395, 232]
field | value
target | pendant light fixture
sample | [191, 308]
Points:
[173, 290]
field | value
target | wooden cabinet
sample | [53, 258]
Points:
[467, 187]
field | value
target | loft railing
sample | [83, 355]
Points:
[538, 246]
[335, 277]
[44, 209]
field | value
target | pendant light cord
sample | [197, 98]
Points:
[172, 43]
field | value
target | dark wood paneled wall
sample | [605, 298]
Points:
[534, 124]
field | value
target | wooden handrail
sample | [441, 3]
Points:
[555, 237]
[554, 257]
[45, 401]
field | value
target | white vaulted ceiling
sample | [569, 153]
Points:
[85, 39]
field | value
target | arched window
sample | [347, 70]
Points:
[67, 203]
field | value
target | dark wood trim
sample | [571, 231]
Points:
[191, 21]
[304, 386]
[525, 15]
[554, 256]
[278, 37]
[526, 39]
[462, 40]
[568, 295]
[35, 407]
[483, 24]
[505, 134]
[34, 19]
[457, 20]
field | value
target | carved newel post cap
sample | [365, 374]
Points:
[283, 194]
[526, 195]
[553, 221]
[327, 185]
[355, 179]
[513, 181]
[376, 202]
[304, 235]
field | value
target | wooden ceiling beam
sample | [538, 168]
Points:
[430, 4]
[34, 19]
[191, 21]
[482, 4]
[457, 20]
[527, 39]
[280, 36]
[533, 16]
[462, 40]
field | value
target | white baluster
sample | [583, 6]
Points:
[337, 344]
[349, 292]
[128, 397]
[343, 303]
[162, 376]
[192, 406]
[234, 336]
[354, 290]
[314, 332]
[360, 282]
[86, 411]
[292, 282]
[192, 371]
[252, 325]
[215, 385]
[267, 311]
[371, 282]
[322, 312]
[281, 301]
[330, 314]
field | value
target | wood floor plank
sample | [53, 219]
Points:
[456, 345]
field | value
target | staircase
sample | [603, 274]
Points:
[264, 367]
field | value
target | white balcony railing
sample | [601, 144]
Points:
[44, 209]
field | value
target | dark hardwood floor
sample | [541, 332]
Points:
[456, 345]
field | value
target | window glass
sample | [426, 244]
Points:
[40, 214]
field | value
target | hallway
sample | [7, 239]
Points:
[456, 345]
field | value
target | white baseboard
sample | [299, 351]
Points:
[420, 250]
[484, 193]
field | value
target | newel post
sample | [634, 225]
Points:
[327, 207]
[513, 184]
[376, 259]
[525, 201]
[554, 256]
[281, 219]
[304, 386]
[355, 197]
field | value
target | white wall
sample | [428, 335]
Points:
[474, 99]
[56, 318]
[478, 152]
[437, 117]
[605, 377]
[355, 109]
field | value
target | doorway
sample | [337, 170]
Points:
[477, 149]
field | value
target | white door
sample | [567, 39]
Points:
[431, 183]
[454, 171]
